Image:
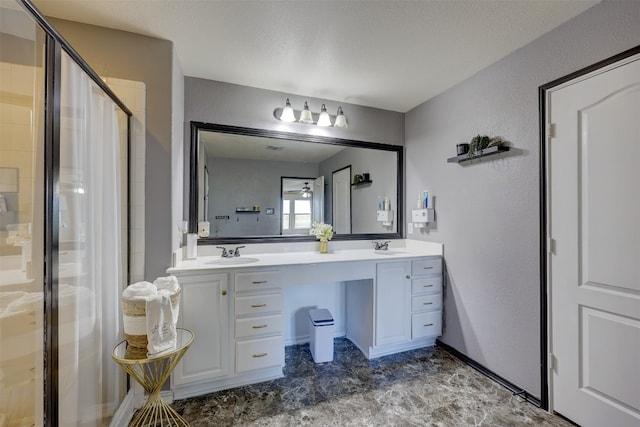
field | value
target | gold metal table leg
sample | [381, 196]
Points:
[152, 375]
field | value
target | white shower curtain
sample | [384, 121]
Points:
[91, 270]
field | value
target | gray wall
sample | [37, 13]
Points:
[381, 165]
[245, 183]
[487, 212]
[131, 56]
[223, 103]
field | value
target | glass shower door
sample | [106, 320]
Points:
[22, 81]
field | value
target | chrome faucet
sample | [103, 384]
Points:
[231, 252]
[225, 253]
[382, 246]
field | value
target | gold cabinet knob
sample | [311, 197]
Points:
[224, 292]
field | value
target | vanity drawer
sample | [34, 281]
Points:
[426, 285]
[257, 281]
[431, 267]
[255, 326]
[258, 304]
[259, 353]
[426, 302]
[427, 324]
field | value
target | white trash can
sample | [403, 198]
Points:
[321, 333]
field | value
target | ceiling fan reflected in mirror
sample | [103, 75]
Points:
[306, 191]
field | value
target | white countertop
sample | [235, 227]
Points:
[338, 252]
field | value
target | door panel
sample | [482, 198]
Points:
[206, 315]
[594, 270]
[608, 160]
[611, 376]
[342, 201]
[318, 200]
[393, 303]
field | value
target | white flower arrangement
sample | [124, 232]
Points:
[322, 231]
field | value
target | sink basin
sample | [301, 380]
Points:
[232, 261]
[389, 252]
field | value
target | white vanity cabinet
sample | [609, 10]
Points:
[204, 309]
[238, 330]
[426, 298]
[389, 303]
[258, 304]
[407, 296]
[393, 303]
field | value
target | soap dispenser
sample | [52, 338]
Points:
[192, 243]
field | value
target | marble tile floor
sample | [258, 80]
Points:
[425, 387]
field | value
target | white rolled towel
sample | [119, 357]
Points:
[170, 283]
[140, 290]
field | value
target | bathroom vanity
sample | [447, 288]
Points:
[244, 310]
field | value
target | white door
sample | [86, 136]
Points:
[318, 200]
[342, 201]
[594, 264]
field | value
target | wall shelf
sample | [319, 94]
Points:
[486, 152]
[357, 184]
[246, 210]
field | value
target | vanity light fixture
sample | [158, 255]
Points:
[341, 120]
[324, 119]
[288, 114]
[305, 115]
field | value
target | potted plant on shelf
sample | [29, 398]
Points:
[479, 143]
[324, 233]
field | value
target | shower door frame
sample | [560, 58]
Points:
[54, 46]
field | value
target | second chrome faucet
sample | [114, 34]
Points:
[381, 246]
[230, 253]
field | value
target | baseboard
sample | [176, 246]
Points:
[233, 381]
[573, 423]
[124, 413]
[517, 391]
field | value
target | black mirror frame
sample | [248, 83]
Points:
[193, 182]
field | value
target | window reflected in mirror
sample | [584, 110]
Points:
[302, 204]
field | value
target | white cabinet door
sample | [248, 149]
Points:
[393, 303]
[204, 310]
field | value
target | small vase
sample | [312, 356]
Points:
[324, 247]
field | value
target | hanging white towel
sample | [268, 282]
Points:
[161, 328]
[170, 285]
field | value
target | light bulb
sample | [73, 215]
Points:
[324, 119]
[287, 113]
[305, 115]
[341, 120]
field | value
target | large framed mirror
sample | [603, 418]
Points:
[255, 185]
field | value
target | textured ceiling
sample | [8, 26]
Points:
[390, 54]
